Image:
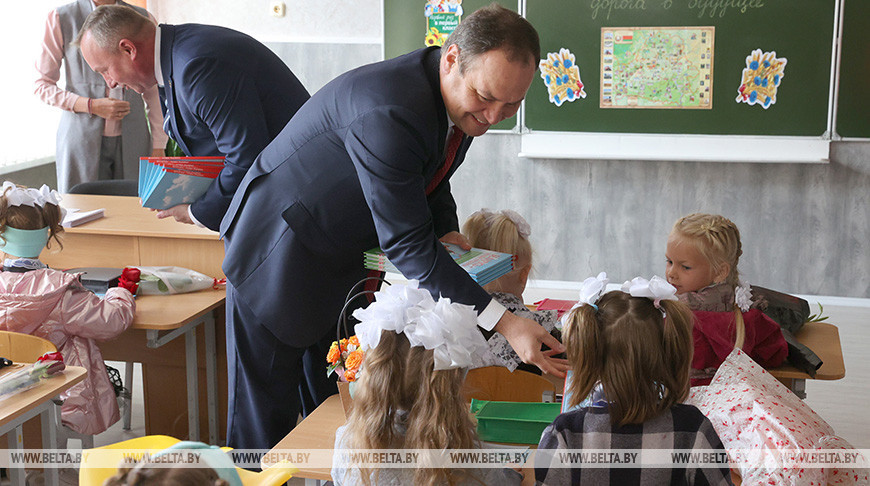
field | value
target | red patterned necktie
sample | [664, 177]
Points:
[452, 148]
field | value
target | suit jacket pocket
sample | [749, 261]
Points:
[303, 225]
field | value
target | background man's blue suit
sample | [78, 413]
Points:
[226, 94]
[346, 174]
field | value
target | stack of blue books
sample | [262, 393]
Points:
[169, 181]
[484, 266]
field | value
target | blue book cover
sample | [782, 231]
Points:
[171, 189]
[165, 182]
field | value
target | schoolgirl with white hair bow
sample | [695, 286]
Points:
[53, 305]
[634, 347]
[417, 351]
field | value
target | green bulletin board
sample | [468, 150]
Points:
[799, 30]
[853, 107]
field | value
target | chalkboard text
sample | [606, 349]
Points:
[609, 5]
[711, 8]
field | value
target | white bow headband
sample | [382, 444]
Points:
[655, 289]
[449, 329]
[25, 196]
[522, 225]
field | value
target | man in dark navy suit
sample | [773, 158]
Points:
[365, 162]
[223, 93]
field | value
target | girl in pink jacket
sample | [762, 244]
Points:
[54, 305]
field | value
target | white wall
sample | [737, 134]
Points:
[341, 21]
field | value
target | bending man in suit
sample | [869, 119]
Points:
[222, 92]
[361, 165]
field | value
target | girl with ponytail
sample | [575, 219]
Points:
[630, 351]
[417, 351]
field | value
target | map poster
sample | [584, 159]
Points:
[657, 67]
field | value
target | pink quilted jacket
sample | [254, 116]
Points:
[55, 306]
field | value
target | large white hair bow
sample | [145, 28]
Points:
[448, 328]
[656, 288]
[25, 196]
[591, 290]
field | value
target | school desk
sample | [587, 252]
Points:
[163, 318]
[37, 401]
[132, 235]
[316, 431]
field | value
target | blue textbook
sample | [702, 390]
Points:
[169, 181]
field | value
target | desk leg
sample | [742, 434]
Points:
[799, 387]
[16, 443]
[192, 385]
[211, 377]
[50, 418]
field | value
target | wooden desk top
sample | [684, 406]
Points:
[124, 216]
[824, 340]
[168, 312]
[16, 405]
[316, 431]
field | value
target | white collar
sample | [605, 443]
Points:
[158, 72]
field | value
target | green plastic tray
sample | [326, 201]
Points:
[513, 422]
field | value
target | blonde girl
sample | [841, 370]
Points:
[701, 262]
[54, 305]
[633, 349]
[408, 394]
[507, 232]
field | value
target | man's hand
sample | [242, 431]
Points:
[110, 109]
[456, 238]
[526, 337]
[178, 212]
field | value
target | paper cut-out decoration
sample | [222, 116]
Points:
[761, 78]
[562, 77]
[442, 18]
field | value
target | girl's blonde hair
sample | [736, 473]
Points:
[496, 231]
[31, 218]
[640, 358]
[399, 377]
[717, 239]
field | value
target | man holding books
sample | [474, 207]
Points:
[222, 92]
[365, 163]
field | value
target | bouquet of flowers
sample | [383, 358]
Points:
[165, 280]
[344, 358]
[30, 375]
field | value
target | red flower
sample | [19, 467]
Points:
[129, 279]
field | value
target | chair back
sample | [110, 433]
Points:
[117, 187]
[497, 383]
[23, 347]
[89, 475]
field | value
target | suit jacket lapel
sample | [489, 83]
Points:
[167, 41]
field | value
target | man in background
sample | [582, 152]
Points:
[223, 92]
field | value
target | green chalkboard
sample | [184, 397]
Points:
[853, 107]
[405, 30]
[800, 31]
